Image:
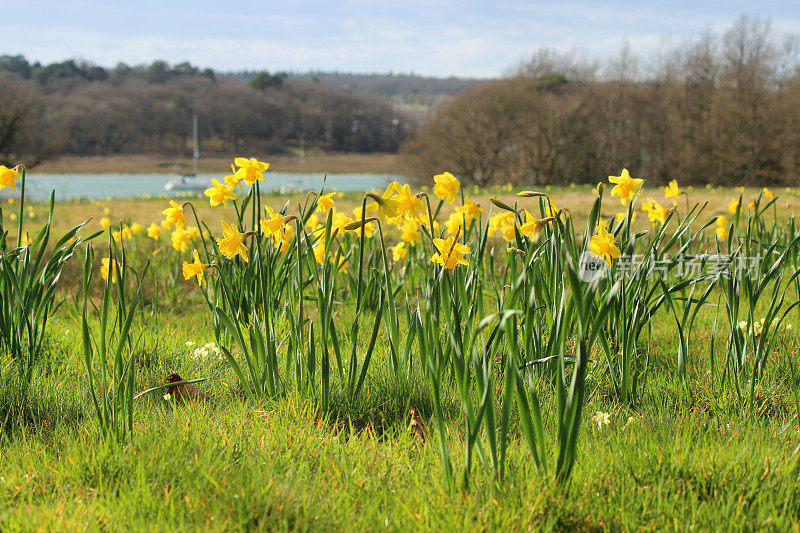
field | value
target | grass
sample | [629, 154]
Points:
[230, 464]
[681, 458]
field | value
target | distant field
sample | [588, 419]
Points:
[317, 163]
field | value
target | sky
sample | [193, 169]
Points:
[435, 38]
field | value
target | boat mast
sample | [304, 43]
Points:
[195, 147]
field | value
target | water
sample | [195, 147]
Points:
[98, 186]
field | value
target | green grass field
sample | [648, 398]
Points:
[686, 454]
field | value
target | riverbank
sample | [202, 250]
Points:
[149, 164]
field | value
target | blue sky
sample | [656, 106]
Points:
[439, 38]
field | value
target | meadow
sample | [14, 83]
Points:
[439, 357]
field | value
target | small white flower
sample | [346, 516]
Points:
[601, 419]
[167, 397]
[743, 325]
[190, 343]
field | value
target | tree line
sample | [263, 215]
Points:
[721, 109]
[78, 108]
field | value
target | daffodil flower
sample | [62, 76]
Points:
[625, 188]
[250, 170]
[273, 223]
[446, 187]
[408, 203]
[174, 214]
[8, 177]
[219, 193]
[449, 253]
[197, 268]
[104, 269]
[603, 245]
[232, 242]
[672, 191]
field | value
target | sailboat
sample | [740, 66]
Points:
[189, 182]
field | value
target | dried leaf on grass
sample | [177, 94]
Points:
[184, 392]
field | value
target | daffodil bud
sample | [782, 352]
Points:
[502, 205]
[530, 194]
[358, 223]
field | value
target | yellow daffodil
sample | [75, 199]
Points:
[733, 205]
[722, 221]
[174, 214]
[319, 255]
[232, 242]
[722, 233]
[437, 228]
[165, 224]
[399, 252]
[154, 231]
[408, 203]
[751, 205]
[551, 210]
[180, 240]
[8, 177]
[325, 202]
[446, 187]
[192, 232]
[250, 170]
[619, 217]
[470, 210]
[197, 268]
[283, 236]
[105, 223]
[532, 226]
[339, 221]
[502, 223]
[384, 205]
[625, 188]
[219, 193]
[274, 222]
[454, 223]
[136, 228]
[767, 193]
[368, 228]
[449, 253]
[603, 245]
[232, 180]
[410, 231]
[319, 251]
[655, 211]
[313, 221]
[672, 191]
[104, 269]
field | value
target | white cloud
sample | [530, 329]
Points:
[437, 38]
